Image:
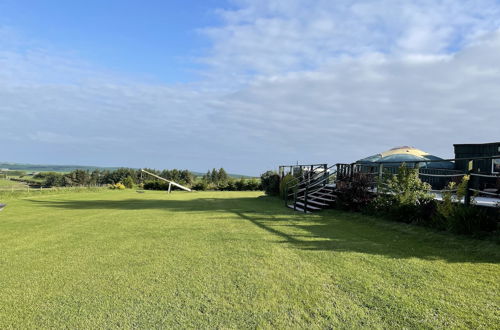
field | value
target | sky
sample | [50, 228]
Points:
[244, 85]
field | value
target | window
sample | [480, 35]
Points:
[495, 166]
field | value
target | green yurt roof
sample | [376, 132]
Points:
[405, 154]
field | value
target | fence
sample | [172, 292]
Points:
[483, 184]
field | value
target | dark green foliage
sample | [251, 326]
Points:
[127, 176]
[270, 183]
[405, 187]
[218, 179]
[183, 177]
[112, 177]
[404, 198]
[252, 184]
[155, 185]
[421, 213]
[240, 185]
[228, 185]
[472, 220]
[53, 179]
[128, 182]
[286, 184]
[200, 186]
[50, 179]
[222, 176]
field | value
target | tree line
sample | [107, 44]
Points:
[212, 180]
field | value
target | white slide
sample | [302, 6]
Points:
[170, 183]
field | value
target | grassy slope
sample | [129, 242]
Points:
[232, 259]
[5, 183]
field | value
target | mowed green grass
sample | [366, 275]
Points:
[119, 259]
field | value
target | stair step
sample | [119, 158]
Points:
[308, 206]
[318, 194]
[312, 200]
[323, 198]
[297, 208]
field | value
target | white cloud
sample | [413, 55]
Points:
[287, 80]
[275, 37]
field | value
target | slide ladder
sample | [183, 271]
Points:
[170, 183]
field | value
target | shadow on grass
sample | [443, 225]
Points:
[324, 231]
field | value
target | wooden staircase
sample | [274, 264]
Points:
[314, 193]
[318, 200]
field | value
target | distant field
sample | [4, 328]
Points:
[4, 184]
[119, 259]
[51, 168]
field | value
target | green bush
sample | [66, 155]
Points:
[253, 185]
[128, 182]
[404, 197]
[227, 185]
[270, 183]
[155, 185]
[286, 184]
[201, 185]
[405, 187]
[472, 220]
[240, 184]
[453, 216]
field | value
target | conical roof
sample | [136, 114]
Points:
[398, 155]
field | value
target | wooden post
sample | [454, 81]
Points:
[380, 175]
[305, 199]
[467, 196]
[295, 198]
[325, 175]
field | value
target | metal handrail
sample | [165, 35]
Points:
[307, 186]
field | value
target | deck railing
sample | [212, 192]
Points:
[480, 183]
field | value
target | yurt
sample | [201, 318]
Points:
[396, 156]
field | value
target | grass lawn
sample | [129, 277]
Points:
[115, 259]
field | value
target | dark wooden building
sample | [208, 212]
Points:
[478, 150]
[480, 166]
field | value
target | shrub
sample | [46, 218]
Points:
[128, 182]
[240, 184]
[228, 185]
[51, 179]
[354, 195]
[270, 183]
[253, 185]
[453, 216]
[405, 187]
[118, 186]
[286, 183]
[404, 197]
[472, 220]
[155, 185]
[200, 185]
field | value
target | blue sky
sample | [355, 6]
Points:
[155, 39]
[244, 84]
